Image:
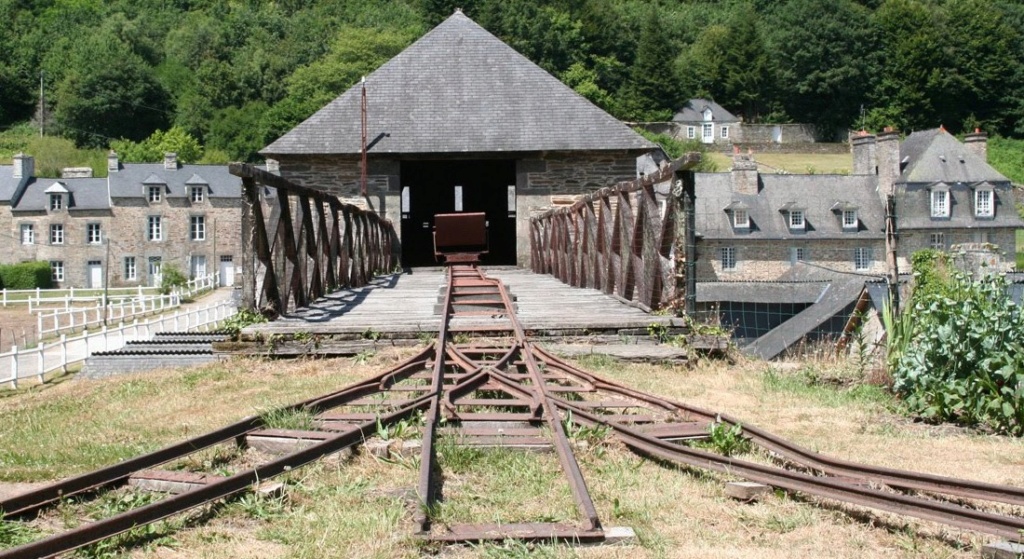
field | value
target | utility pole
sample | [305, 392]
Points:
[362, 181]
[106, 282]
[891, 242]
[42, 105]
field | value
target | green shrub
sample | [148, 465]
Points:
[171, 277]
[964, 357]
[26, 275]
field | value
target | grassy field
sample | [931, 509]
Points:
[359, 508]
[795, 163]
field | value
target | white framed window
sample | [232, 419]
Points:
[861, 258]
[740, 218]
[940, 203]
[707, 132]
[197, 194]
[28, 234]
[154, 228]
[849, 219]
[983, 206]
[796, 219]
[56, 234]
[798, 254]
[691, 132]
[56, 202]
[725, 132]
[154, 193]
[728, 256]
[57, 270]
[93, 235]
[198, 228]
[131, 273]
[937, 241]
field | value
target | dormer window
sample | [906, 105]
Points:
[796, 219]
[940, 203]
[984, 203]
[56, 202]
[740, 219]
[849, 219]
[197, 194]
[154, 193]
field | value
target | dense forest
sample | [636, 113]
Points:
[233, 75]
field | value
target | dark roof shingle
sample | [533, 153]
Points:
[459, 89]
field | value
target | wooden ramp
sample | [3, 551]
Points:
[404, 305]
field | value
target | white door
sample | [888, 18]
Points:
[777, 134]
[227, 270]
[155, 271]
[198, 266]
[95, 274]
[707, 133]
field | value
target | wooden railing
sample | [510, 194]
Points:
[311, 243]
[624, 241]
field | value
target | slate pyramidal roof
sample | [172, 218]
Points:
[459, 89]
[935, 156]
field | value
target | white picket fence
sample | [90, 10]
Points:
[59, 354]
[35, 298]
[70, 320]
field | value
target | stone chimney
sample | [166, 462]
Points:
[744, 173]
[171, 161]
[862, 145]
[273, 166]
[977, 143]
[76, 173]
[113, 165]
[24, 166]
[887, 155]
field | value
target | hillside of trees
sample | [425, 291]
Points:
[236, 74]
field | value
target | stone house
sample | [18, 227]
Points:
[124, 228]
[459, 121]
[707, 121]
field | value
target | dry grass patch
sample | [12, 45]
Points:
[795, 163]
[363, 507]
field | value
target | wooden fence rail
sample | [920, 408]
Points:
[623, 240]
[308, 244]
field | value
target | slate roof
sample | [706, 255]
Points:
[693, 111]
[459, 89]
[130, 180]
[83, 194]
[818, 195]
[934, 156]
[760, 291]
[8, 186]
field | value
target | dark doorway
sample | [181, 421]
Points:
[432, 190]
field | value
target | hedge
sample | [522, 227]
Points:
[26, 275]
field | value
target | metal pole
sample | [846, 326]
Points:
[106, 282]
[363, 110]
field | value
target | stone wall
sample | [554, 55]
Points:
[768, 260]
[1003, 239]
[768, 133]
[75, 252]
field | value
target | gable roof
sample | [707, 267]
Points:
[83, 194]
[693, 111]
[821, 197]
[129, 180]
[8, 184]
[459, 89]
[933, 156]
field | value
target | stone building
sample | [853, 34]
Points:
[459, 121]
[138, 219]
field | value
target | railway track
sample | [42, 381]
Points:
[505, 391]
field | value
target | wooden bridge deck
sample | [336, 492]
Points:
[402, 305]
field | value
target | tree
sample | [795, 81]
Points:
[652, 92]
[108, 92]
[826, 60]
[153, 148]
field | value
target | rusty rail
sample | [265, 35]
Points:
[625, 240]
[308, 244]
[509, 392]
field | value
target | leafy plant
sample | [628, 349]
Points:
[725, 439]
[171, 277]
[15, 533]
[244, 317]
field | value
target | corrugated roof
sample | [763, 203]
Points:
[83, 194]
[129, 180]
[933, 156]
[694, 109]
[460, 89]
[817, 195]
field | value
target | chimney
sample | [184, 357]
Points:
[24, 166]
[744, 174]
[113, 165]
[76, 173]
[887, 154]
[273, 166]
[171, 161]
[977, 143]
[862, 145]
